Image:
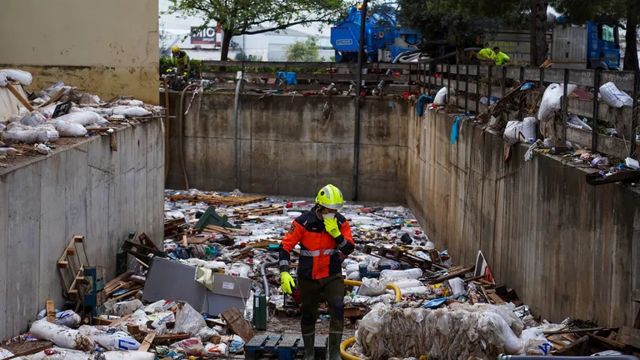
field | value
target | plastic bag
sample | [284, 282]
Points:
[401, 274]
[23, 77]
[517, 131]
[219, 349]
[16, 132]
[83, 118]
[188, 320]
[615, 97]
[241, 270]
[191, 346]
[69, 129]
[124, 308]
[109, 339]
[60, 335]
[371, 287]
[441, 97]
[551, 100]
[457, 286]
[33, 119]
[131, 111]
[575, 122]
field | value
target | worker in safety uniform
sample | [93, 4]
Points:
[181, 60]
[486, 54]
[324, 236]
[500, 58]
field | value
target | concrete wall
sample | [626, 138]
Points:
[292, 145]
[567, 248]
[106, 47]
[87, 190]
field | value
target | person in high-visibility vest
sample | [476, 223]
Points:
[486, 54]
[500, 58]
[324, 236]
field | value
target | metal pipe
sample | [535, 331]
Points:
[634, 117]
[466, 90]
[596, 110]
[236, 121]
[478, 91]
[180, 138]
[263, 271]
[489, 71]
[167, 128]
[565, 107]
[356, 136]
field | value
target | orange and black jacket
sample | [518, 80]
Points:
[320, 253]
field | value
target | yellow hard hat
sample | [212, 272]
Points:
[330, 197]
[175, 48]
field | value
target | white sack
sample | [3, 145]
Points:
[441, 96]
[615, 97]
[128, 355]
[371, 287]
[23, 77]
[83, 118]
[3, 79]
[118, 340]
[124, 308]
[33, 119]
[69, 129]
[188, 320]
[551, 100]
[59, 335]
[517, 131]
[130, 111]
[400, 274]
[16, 132]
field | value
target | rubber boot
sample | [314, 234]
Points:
[333, 353]
[309, 346]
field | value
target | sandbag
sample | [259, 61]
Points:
[615, 97]
[3, 79]
[551, 100]
[371, 287]
[16, 132]
[441, 97]
[517, 131]
[130, 111]
[124, 308]
[69, 129]
[128, 355]
[400, 274]
[33, 119]
[109, 339]
[60, 335]
[83, 118]
[23, 77]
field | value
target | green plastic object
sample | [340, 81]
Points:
[260, 311]
[211, 217]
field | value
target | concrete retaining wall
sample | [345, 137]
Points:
[291, 145]
[567, 248]
[87, 190]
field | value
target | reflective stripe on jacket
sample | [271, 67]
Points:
[320, 253]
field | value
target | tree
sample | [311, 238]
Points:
[609, 11]
[304, 50]
[247, 17]
[538, 28]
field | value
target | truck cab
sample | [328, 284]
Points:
[590, 46]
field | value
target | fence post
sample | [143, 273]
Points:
[448, 84]
[565, 107]
[457, 81]
[478, 92]
[521, 79]
[596, 111]
[489, 86]
[466, 89]
[634, 116]
[503, 84]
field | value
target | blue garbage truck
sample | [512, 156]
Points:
[385, 39]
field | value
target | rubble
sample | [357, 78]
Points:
[196, 296]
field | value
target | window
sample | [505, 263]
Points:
[608, 33]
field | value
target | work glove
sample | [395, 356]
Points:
[286, 282]
[331, 225]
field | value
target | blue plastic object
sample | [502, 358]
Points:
[289, 77]
[602, 45]
[423, 100]
[455, 129]
[435, 303]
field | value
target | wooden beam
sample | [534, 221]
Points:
[18, 96]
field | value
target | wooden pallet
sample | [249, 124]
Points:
[284, 347]
[214, 199]
[71, 266]
[258, 211]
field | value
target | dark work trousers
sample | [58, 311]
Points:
[329, 289]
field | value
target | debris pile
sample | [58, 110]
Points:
[33, 123]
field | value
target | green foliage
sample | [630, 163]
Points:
[304, 50]
[238, 17]
[242, 56]
[166, 63]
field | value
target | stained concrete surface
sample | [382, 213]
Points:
[291, 145]
[567, 248]
[86, 189]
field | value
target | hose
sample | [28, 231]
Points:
[343, 349]
[180, 138]
[265, 283]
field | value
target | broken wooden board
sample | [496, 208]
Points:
[238, 324]
[227, 231]
[147, 342]
[219, 199]
[27, 348]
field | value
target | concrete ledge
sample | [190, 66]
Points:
[84, 189]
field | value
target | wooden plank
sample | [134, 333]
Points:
[19, 96]
[148, 340]
[27, 348]
[51, 310]
[629, 336]
[238, 324]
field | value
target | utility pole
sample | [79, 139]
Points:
[356, 140]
